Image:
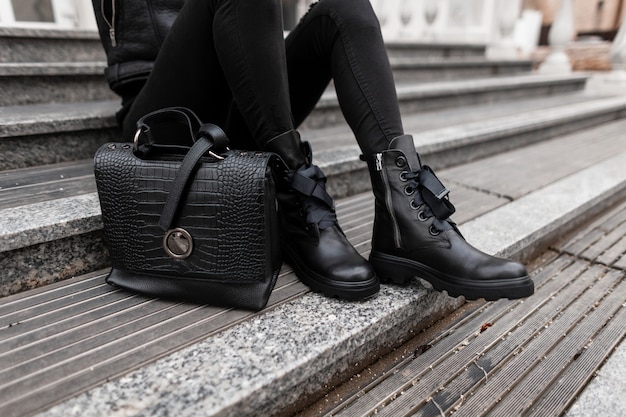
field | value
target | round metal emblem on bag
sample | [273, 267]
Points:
[178, 243]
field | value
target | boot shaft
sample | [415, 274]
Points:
[404, 222]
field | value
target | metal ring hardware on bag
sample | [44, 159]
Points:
[178, 243]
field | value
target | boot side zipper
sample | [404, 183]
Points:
[388, 200]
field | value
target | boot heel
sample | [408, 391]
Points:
[390, 269]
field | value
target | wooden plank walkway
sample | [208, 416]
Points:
[510, 358]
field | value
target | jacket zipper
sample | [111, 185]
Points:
[388, 200]
[111, 23]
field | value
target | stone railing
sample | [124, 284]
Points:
[466, 21]
[497, 23]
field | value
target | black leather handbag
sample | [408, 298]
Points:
[186, 218]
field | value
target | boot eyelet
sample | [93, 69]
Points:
[307, 228]
[301, 213]
[414, 205]
[421, 216]
[402, 176]
[433, 230]
[401, 161]
[408, 190]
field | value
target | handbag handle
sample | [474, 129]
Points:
[168, 127]
[209, 137]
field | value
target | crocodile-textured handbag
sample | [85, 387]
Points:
[185, 218]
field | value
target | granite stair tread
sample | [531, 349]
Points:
[46, 118]
[117, 352]
[40, 45]
[439, 49]
[421, 69]
[8, 69]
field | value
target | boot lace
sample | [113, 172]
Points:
[429, 195]
[318, 205]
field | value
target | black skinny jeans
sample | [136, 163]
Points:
[227, 60]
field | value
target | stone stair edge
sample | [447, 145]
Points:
[45, 118]
[491, 83]
[52, 68]
[430, 89]
[347, 333]
[47, 221]
[37, 33]
[478, 61]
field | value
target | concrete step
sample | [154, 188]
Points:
[50, 216]
[56, 45]
[40, 134]
[419, 69]
[52, 82]
[416, 98]
[32, 135]
[49, 45]
[119, 353]
[59, 81]
[435, 50]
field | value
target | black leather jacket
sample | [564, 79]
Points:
[132, 32]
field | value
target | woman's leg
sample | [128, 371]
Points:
[225, 59]
[342, 40]
[413, 233]
[219, 56]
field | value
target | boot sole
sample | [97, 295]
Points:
[352, 291]
[401, 270]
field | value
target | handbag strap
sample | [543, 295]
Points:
[210, 137]
[166, 127]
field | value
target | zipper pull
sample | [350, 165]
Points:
[112, 36]
[379, 162]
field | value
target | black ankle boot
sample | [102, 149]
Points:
[312, 241]
[414, 235]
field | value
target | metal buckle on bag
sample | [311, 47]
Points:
[178, 243]
[136, 140]
[216, 156]
[136, 146]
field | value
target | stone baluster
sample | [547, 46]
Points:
[508, 12]
[431, 11]
[407, 15]
[561, 33]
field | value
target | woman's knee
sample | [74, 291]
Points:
[270, 5]
[352, 12]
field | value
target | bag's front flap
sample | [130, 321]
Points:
[222, 229]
